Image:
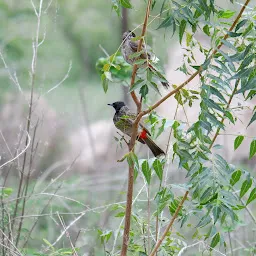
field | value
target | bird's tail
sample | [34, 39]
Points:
[153, 147]
[165, 82]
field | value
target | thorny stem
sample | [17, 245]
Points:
[166, 97]
[129, 196]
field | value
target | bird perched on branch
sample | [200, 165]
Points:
[129, 49]
[123, 120]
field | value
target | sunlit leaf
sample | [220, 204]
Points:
[235, 177]
[126, 3]
[206, 30]
[239, 139]
[146, 171]
[252, 149]
[252, 196]
[226, 14]
[215, 240]
[158, 169]
[245, 187]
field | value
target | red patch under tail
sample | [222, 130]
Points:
[143, 135]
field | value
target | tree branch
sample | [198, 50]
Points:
[128, 209]
[157, 104]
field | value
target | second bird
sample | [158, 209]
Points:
[130, 47]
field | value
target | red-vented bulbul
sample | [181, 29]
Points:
[123, 120]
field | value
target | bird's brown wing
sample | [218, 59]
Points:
[128, 118]
[134, 46]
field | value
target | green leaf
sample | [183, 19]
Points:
[240, 24]
[215, 240]
[146, 171]
[245, 187]
[251, 84]
[48, 243]
[233, 34]
[206, 30]
[228, 44]
[235, 177]
[204, 221]
[252, 149]
[252, 196]
[120, 215]
[183, 24]
[158, 169]
[216, 92]
[248, 60]
[230, 117]
[211, 104]
[252, 119]
[229, 60]
[105, 85]
[144, 90]
[207, 193]
[216, 213]
[195, 167]
[223, 67]
[225, 14]
[239, 139]
[126, 3]
[188, 38]
[242, 73]
[137, 85]
[167, 22]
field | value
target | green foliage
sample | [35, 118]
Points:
[113, 69]
[239, 139]
[211, 179]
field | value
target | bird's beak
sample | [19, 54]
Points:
[110, 105]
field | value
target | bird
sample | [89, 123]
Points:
[130, 47]
[123, 120]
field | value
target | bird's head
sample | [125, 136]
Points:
[117, 105]
[128, 35]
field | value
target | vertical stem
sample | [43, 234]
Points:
[129, 196]
[128, 211]
[148, 220]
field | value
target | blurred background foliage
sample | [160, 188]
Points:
[73, 31]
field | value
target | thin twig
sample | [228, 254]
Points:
[33, 77]
[17, 156]
[62, 80]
